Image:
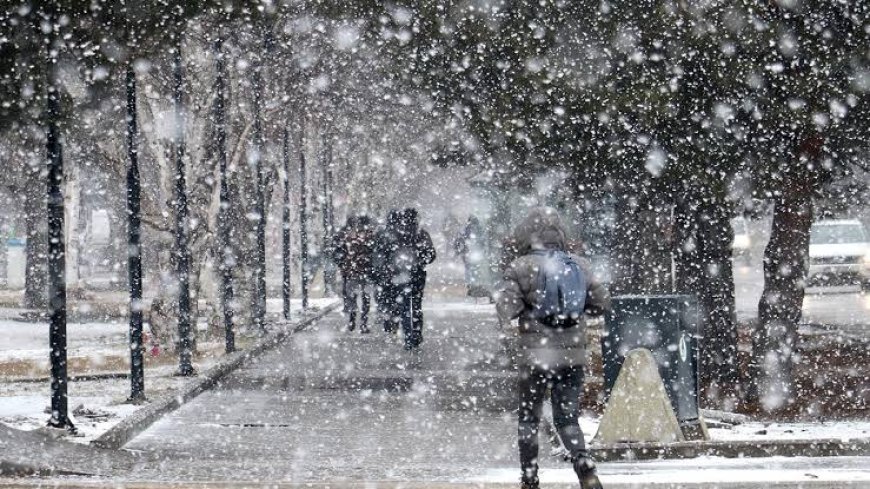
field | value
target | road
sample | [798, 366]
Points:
[330, 405]
[845, 308]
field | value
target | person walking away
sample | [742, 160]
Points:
[410, 251]
[353, 252]
[386, 240]
[426, 254]
[550, 290]
[470, 245]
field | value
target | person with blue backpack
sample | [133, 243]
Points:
[550, 291]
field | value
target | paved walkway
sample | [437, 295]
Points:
[333, 406]
[330, 404]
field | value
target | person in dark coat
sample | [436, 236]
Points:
[549, 354]
[410, 250]
[386, 291]
[425, 256]
[353, 253]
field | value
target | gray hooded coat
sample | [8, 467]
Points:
[540, 345]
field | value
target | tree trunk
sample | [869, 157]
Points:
[182, 250]
[285, 228]
[258, 306]
[779, 310]
[36, 227]
[57, 312]
[303, 220]
[641, 255]
[703, 268]
[225, 256]
[718, 352]
[134, 241]
[73, 217]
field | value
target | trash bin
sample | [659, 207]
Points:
[667, 325]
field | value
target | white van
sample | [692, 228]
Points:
[839, 253]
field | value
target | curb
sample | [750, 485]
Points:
[118, 436]
[71, 378]
[830, 447]
[73, 484]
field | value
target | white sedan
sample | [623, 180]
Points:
[839, 252]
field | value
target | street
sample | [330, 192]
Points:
[844, 308]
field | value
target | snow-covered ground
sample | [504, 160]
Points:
[95, 404]
[29, 340]
[712, 471]
[756, 431]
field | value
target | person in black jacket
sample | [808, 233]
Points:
[425, 256]
[411, 250]
[386, 291]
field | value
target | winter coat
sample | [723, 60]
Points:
[425, 253]
[353, 252]
[540, 345]
[395, 241]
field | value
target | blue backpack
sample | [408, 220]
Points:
[561, 289]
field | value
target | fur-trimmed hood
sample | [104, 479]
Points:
[541, 229]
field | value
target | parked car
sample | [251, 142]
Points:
[741, 246]
[839, 253]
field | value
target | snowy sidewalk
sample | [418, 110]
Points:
[342, 409]
[98, 356]
[338, 406]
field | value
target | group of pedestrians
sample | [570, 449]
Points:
[545, 287]
[388, 262]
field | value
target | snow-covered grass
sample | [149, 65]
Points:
[93, 348]
[757, 431]
[837, 430]
[95, 405]
[29, 340]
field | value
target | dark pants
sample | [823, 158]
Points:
[386, 297]
[404, 315]
[354, 290]
[418, 284]
[566, 386]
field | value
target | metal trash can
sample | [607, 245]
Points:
[667, 325]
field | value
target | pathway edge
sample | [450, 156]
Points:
[118, 436]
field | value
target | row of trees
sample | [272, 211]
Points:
[250, 87]
[670, 107]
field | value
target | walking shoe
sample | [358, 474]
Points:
[364, 329]
[531, 483]
[585, 470]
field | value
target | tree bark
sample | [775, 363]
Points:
[718, 352]
[57, 311]
[36, 248]
[779, 310]
[225, 255]
[134, 241]
[182, 244]
[641, 255]
[285, 228]
[258, 305]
